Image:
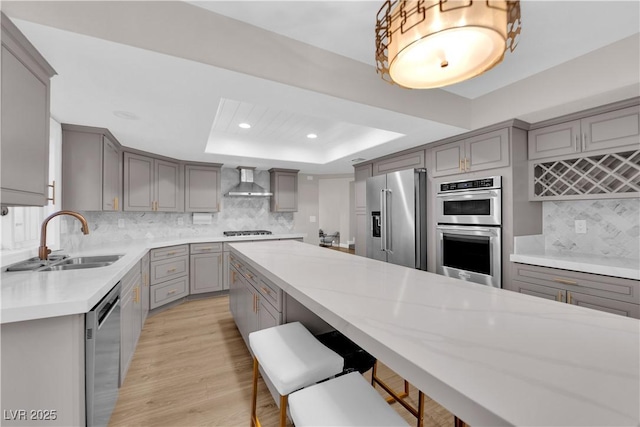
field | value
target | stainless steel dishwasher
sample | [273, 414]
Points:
[102, 358]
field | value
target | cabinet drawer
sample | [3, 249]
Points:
[169, 269]
[171, 251]
[591, 284]
[204, 248]
[267, 290]
[169, 291]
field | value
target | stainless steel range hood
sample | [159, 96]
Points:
[247, 187]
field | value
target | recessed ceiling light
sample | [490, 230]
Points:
[312, 136]
[125, 115]
[244, 125]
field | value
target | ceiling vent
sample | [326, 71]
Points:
[247, 187]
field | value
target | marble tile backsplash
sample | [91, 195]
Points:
[236, 213]
[613, 227]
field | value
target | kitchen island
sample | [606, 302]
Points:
[490, 356]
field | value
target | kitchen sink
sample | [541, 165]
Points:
[82, 260]
[63, 267]
[62, 263]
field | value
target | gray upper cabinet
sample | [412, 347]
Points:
[91, 169]
[360, 206]
[25, 120]
[608, 131]
[202, 188]
[284, 186]
[151, 184]
[480, 152]
[399, 162]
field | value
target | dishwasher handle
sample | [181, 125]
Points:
[107, 309]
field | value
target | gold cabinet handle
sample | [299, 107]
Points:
[248, 276]
[466, 164]
[171, 253]
[115, 203]
[584, 141]
[236, 265]
[172, 291]
[569, 298]
[266, 290]
[560, 296]
[208, 248]
[564, 281]
[460, 166]
[171, 270]
[53, 195]
[233, 276]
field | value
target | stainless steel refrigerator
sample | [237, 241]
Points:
[396, 218]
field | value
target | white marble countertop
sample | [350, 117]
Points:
[530, 250]
[491, 356]
[37, 295]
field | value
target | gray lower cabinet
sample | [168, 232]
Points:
[480, 152]
[612, 130]
[604, 293]
[284, 186]
[206, 268]
[254, 301]
[145, 265]
[25, 117]
[91, 169]
[131, 317]
[169, 275]
[151, 184]
[202, 188]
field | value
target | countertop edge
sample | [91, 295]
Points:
[583, 267]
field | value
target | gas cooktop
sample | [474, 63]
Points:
[246, 233]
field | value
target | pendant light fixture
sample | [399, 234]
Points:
[424, 44]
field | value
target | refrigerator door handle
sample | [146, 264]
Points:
[383, 221]
[387, 218]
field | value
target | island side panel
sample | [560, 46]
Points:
[43, 371]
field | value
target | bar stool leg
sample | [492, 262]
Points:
[400, 397]
[254, 395]
[457, 422]
[283, 410]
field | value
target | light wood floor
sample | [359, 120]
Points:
[191, 368]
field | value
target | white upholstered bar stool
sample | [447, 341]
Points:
[291, 358]
[348, 400]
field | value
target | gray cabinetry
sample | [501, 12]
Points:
[612, 130]
[91, 169]
[399, 162]
[480, 152]
[360, 207]
[25, 117]
[284, 186]
[151, 184]
[254, 301]
[169, 273]
[131, 318]
[206, 268]
[145, 283]
[202, 188]
[604, 293]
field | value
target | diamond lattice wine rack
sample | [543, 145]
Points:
[613, 175]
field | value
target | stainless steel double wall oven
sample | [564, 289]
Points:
[469, 235]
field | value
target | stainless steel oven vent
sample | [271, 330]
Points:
[247, 187]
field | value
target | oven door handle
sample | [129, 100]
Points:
[466, 229]
[466, 195]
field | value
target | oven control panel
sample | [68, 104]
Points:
[474, 184]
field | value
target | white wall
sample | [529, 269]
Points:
[306, 219]
[335, 206]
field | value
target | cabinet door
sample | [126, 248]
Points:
[612, 130]
[604, 304]
[360, 187]
[285, 192]
[361, 234]
[206, 273]
[266, 315]
[540, 291]
[126, 334]
[487, 151]
[399, 162]
[448, 158]
[167, 186]
[202, 189]
[24, 132]
[138, 183]
[110, 176]
[556, 140]
[225, 270]
[145, 281]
